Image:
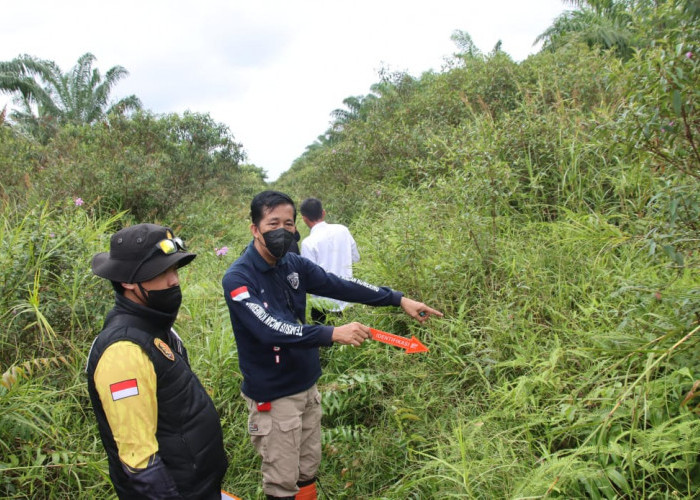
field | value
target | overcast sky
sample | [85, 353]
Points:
[272, 70]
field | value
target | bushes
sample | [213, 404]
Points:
[563, 371]
[526, 133]
[144, 164]
[49, 300]
[559, 235]
[50, 307]
[20, 158]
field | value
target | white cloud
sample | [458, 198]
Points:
[271, 70]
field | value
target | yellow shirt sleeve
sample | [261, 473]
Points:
[126, 383]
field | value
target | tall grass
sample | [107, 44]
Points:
[548, 208]
[50, 303]
[565, 366]
[553, 375]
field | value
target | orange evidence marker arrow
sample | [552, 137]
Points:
[225, 495]
[411, 345]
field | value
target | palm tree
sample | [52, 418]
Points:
[357, 109]
[598, 23]
[465, 44]
[48, 98]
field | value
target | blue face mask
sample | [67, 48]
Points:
[278, 242]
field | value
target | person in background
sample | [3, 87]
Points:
[332, 247]
[265, 291]
[157, 423]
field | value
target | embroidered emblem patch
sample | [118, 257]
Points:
[252, 427]
[164, 348]
[293, 279]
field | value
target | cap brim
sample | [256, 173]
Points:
[120, 271]
[153, 267]
[103, 267]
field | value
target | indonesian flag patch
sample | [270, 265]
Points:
[124, 389]
[240, 293]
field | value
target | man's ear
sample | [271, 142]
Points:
[129, 286]
[254, 230]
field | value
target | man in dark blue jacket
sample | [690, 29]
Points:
[265, 290]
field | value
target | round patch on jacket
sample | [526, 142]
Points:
[164, 348]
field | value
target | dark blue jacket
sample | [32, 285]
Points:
[277, 354]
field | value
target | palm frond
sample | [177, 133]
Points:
[47, 95]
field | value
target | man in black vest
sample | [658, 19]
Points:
[158, 425]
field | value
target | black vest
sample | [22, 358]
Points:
[190, 441]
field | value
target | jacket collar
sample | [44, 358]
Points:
[159, 322]
[259, 263]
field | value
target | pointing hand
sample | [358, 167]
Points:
[418, 310]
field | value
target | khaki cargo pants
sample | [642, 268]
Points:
[288, 438]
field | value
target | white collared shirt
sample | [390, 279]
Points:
[332, 247]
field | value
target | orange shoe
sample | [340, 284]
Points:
[307, 492]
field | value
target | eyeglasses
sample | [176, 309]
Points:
[168, 246]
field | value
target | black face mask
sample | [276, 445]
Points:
[167, 301]
[278, 242]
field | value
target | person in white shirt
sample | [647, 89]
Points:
[332, 247]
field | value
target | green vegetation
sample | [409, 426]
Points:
[549, 208]
[49, 98]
